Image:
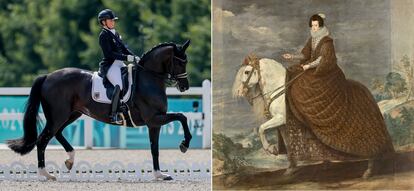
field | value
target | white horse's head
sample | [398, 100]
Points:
[254, 78]
[247, 77]
[250, 77]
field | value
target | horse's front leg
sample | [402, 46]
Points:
[274, 122]
[162, 119]
[154, 135]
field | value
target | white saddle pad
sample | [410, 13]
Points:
[99, 91]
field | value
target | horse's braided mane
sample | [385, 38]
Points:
[164, 44]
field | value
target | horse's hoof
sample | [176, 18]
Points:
[290, 171]
[52, 178]
[183, 148]
[43, 173]
[69, 164]
[160, 176]
[168, 178]
[367, 174]
[272, 150]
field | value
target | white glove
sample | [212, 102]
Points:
[137, 59]
[130, 58]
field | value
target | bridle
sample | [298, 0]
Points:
[261, 94]
[171, 75]
[246, 83]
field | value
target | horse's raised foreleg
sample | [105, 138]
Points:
[159, 120]
[68, 148]
[66, 145]
[274, 122]
[154, 135]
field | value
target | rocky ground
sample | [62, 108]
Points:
[396, 173]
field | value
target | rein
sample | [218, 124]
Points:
[262, 95]
[170, 76]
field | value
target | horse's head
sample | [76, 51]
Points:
[247, 77]
[179, 71]
[169, 59]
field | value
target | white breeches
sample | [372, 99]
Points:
[114, 73]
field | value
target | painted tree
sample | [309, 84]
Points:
[406, 68]
[395, 84]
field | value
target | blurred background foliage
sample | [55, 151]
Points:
[38, 37]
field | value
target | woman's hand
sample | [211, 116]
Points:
[287, 56]
[305, 67]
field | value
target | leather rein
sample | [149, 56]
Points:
[261, 94]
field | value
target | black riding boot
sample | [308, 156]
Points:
[114, 106]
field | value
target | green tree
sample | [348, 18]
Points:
[41, 36]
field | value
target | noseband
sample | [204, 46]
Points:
[171, 75]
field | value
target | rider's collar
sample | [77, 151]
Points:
[112, 30]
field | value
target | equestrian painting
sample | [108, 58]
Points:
[315, 101]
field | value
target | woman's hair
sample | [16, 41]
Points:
[316, 17]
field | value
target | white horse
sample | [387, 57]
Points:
[257, 80]
[271, 76]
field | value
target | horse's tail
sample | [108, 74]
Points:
[26, 144]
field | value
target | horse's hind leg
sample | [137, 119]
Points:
[66, 145]
[368, 172]
[55, 120]
[43, 140]
[293, 167]
[154, 135]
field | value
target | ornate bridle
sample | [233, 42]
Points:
[253, 60]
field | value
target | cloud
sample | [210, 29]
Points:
[255, 28]
[219, 18]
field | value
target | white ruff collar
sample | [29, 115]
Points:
[322, 32]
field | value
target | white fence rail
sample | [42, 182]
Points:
[204, 92]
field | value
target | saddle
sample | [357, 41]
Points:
[102, 88]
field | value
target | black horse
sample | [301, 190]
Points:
[66, 94]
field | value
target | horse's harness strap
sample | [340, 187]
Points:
[272, 98]
[171, 75]
[249, 77]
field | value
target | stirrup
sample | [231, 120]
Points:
[117, 118]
